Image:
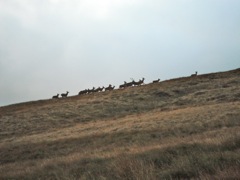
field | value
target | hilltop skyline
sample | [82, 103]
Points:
[53, 46]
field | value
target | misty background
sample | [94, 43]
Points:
[53, 46]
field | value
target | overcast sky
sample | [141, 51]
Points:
[52, 46]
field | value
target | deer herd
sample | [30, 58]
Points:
[110, 87]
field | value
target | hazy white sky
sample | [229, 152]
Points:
[51, 46]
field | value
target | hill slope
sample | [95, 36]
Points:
[181, 128]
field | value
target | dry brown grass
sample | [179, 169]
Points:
[181, 128]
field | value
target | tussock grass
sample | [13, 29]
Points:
[124, 167]
[178, 129]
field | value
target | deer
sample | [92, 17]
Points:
[95, 90]
[139, 82]
[122, 86]
[88, 91]
[156, 81]
[83, 92]
[193, 75]
[64, 95]
[55, 97]
[99, 89]
[129, 83]
[109, 88]
[91, 90]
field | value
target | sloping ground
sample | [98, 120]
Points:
[182, 128]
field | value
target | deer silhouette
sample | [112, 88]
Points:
[64, 95]
[139, 82]
[156, 81]
[55, 97]
[193, 75]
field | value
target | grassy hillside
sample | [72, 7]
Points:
[181, 128]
